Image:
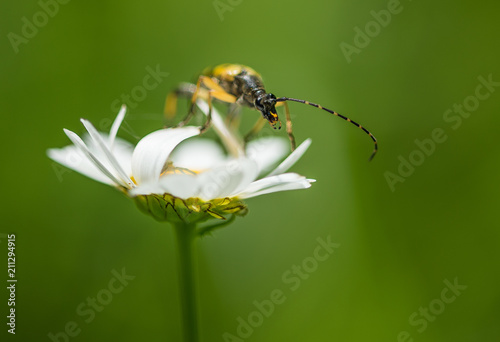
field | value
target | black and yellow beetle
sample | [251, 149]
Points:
[240, 85]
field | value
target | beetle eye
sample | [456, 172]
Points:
[258, 104]
[270, 100]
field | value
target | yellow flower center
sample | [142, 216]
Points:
[170, 169]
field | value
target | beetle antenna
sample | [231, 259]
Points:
[282, 99]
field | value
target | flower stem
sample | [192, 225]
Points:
[186, 234]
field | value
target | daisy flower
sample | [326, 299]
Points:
[173, 174]
[178, 177]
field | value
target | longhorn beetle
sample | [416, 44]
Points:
[240, 85]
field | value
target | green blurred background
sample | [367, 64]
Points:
[397, 246]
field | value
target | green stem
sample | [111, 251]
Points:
[186, 234]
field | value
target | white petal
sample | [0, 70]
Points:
[96, 136]
[152, 152]
[272, 181]
[216, 183]
[251, 171]
[146, 189]
[292, 158]
[83, 148]
[284, 187]
[198, 154]
[179, 185]
[220, 182]
[122, 150]
[286, 181]
[267, 152]
[116, 125]
[72, 157]
[232, 142]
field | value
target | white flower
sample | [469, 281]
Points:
[167, 161]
